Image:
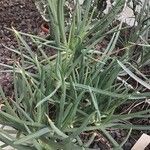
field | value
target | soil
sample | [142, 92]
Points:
[23, 16]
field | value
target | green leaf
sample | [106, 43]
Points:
[32, 136]
[55, 129]
[48, 97]
[134, 76]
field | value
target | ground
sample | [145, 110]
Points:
[23, 16]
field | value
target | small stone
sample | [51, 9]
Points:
[127, 146]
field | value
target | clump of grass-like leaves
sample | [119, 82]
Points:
[78, 89]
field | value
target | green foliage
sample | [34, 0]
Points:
[76, 90]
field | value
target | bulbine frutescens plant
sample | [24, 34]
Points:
[77, 90]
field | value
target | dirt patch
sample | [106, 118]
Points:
[23, 16]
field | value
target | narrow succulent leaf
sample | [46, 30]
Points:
[48, 97]
[125, 140]
[111, 94]
[56, 130]
[110, 138]
[134, 76]
[10, 143]
[60, 14]
[32, 136]
[18, 121]
[82, 127]
[95, 103]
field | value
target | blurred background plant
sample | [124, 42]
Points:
[78, 90]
